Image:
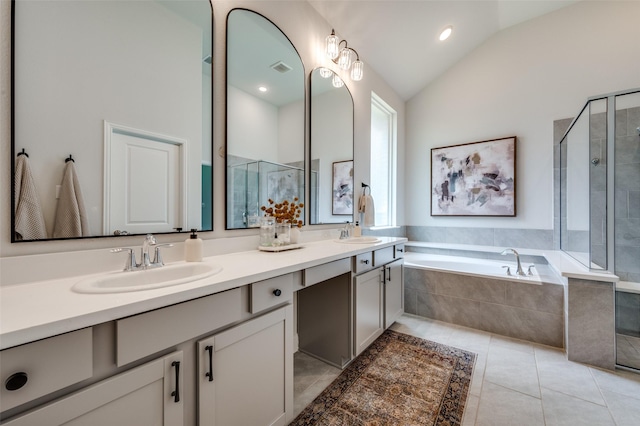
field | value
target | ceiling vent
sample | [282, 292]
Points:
[281, 67]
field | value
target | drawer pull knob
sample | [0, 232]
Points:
[277, 292]
[16, 381]
[401, 250]
[210, 373]
[365, 261]
[176, 393]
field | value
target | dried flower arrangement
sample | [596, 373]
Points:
[285, 211]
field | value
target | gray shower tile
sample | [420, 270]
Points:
[621, 122]
[628, 149]
[466, 287]
[410, 300]
[627, 177]
[633, 121]
[544, 297]
[426, 233]
[598, 125]
[621, 203]
[634, 204]
[524, 238]
[627, 259]
[627, 232]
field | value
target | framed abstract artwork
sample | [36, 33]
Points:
[474, 179]
[342, 196]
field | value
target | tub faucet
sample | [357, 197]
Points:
[519, 270]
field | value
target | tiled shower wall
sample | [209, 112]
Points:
[627, 195]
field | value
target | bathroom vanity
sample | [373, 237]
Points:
[215, 351]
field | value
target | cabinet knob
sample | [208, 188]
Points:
[277, 292]
[16, 381]
[365, 261]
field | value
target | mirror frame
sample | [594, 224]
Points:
[14, 150]
[310, 202]
[226, 127]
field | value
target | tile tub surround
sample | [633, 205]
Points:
[525, 311]
[541, 239]
[591, 323]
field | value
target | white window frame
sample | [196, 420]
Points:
[379, 103]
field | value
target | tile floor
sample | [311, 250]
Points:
[515, 383]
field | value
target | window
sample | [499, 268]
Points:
[383, 161]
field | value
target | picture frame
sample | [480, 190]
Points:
[474, 179]
[342, 188]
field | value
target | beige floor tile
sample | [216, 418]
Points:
[512, 369]
[469, 339]
[509, 343]
[564, 410]
[477, 379]
[470, 410]
[618, 381]
[504, 407]
[555, 372]
[624, 410]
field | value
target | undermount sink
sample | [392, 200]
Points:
[359, 240]
[148, 279]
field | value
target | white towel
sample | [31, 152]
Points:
[71, 217]
[365, 206]
[29, 220]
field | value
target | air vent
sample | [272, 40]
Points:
[207, 59]
[281, 67]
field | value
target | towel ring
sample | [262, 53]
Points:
[70, 158]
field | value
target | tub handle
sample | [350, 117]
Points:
[508, 270]
[529, 269]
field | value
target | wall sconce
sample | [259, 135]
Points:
[343, 56]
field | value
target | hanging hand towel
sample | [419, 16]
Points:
[71, 217]
[29, 220]
[365, 205]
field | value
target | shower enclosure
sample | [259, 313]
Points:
[599, 199]
[254, 183]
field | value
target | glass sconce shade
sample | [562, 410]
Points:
[344, 61]
[337, 81]
[332, 45]
[325, 72]
[357, 70]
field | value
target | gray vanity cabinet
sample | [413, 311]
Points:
[147, 395]
[393, 292]
[245, 374]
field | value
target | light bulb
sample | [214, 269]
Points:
[332, 43]
[325, 72]
[446, 33]
[337, 81]
[357, 69]
[344, 61]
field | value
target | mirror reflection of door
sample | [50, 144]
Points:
[145, 177]
[265, 118]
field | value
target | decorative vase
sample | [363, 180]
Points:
[283, 234]
[295, 235]
[267, 231]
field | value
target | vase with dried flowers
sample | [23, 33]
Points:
[286, 212]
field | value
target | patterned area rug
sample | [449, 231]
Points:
[398, 380]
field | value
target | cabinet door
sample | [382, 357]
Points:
[393, 292]
[368, 309]
[148, 395]
[245, 374]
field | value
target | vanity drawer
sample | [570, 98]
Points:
[145, 334]
[47, 366]
[317, 274]
[398, 251]
[363, 262]
[383, 256]
[268, 293]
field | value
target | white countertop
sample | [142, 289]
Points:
[42, 309]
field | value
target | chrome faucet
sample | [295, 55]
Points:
[145, 262]
[519, 270]
[347, 231]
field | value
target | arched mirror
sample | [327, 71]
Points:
[331, 194]
[124, 89]
[265, 118]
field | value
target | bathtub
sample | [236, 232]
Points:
[472, 266]
[476, 292]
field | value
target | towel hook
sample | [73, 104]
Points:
[70, 158]
[23, 153]
[365, 186]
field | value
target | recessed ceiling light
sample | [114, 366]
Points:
[262, 89]
[446, 33]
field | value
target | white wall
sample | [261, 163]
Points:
[306, 30]
[518, 83]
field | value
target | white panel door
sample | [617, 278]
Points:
[144, 181]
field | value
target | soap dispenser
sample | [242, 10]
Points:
[357, 230]
[193, 248]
